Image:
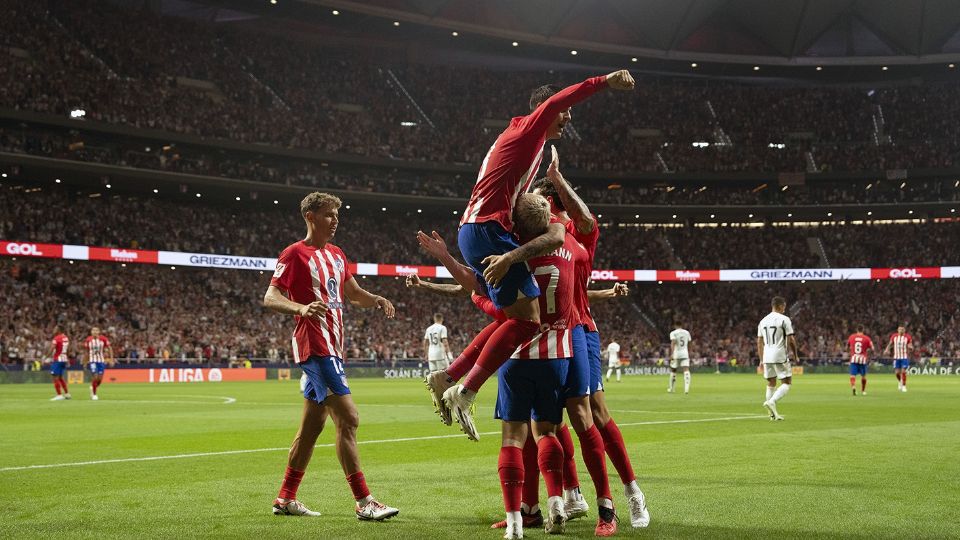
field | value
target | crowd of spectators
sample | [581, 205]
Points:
[157, 314]
[135, 68]
[66, 216]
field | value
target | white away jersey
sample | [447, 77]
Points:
[680, 339]
[435, 335]
[613, 354]
[774, 329]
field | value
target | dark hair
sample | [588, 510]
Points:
[437, 317]
[541, 94]
[778, 301]
[860, 328]
[677, 323]
[545, 187]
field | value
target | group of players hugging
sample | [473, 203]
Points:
[528, 245]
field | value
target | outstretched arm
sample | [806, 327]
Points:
[618, 289]
[360, 297]
[574, 205]
[435, 245]
[440, 289]
[542, 116]
[497, 265]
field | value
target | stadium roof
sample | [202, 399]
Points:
[785, 32]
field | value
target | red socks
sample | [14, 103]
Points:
[95, 385]
[461, 366]
[510, 468]
[497, 350]
[863, 384]
[531, 473]
[550, 458]
[903, 378]
[291, 482]
[570, 478]
[358, 485]
[617, 450]
[63, 383]
[592, 447]
[56, 385]
[853, 381]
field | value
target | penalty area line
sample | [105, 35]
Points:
[330, 445]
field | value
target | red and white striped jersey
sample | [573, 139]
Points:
[95, 347]
[512, 162]
[583, 261]
[860, 345]
[60, 344]
[308, 274]
[555, 276]
[900, 345]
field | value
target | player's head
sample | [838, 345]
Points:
[901, 329]
[321, 211]
[860, 328]
[531, 216]
[437, 318]
[95, 331]
[57, 329]
[545, 187]
[779, 304]
[543, 93]
[677, 324]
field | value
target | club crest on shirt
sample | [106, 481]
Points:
[338, 262]
[279, 271]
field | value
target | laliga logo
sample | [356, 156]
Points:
[24, 249]
[904, 273]
[603, 275]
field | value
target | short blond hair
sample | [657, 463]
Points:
[531, 215]
[317, 200]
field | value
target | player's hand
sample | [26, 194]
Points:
[553, 170]
[314, 310]
[497, 266]
[413, 281]
[621, 80]
[621, 289]
[433, 244]
[386, 306]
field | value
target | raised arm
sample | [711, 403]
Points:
[546, 112]
[576, 208]
[435, 245]
[497, 265]
[360, 297]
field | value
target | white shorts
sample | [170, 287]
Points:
[438, 365]
[780, 371]
[614, 365]
[679, 362]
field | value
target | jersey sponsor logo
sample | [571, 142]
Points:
[332, 290]
[279, 271]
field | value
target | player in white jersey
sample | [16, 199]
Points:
[613, 360]
[775, 342]
[436, 348]
[679, 357]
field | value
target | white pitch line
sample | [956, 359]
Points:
[682, 412]
[328, 445]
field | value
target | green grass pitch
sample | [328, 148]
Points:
[886, 465]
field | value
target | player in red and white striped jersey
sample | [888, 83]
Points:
[485, 236]
[860, 348]
[96, 353]
[902, 344]
[59, 361]
[313, 282]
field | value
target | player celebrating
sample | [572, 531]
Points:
[774, 338]
[316, 278]
[485, 238]
[902, 344]
[860, 347]
[96, 352]
[58, 363]
[679, 357]
[436, 349]
[613, 360]
[579, 222]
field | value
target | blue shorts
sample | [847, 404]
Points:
[324, 375]
[57, 368]
[531, 389]
[858, 369]
[901, 364]
[97, 368]
[578, 374]
[596, 368]
[478, 241]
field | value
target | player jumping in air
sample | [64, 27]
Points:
[313, 282]
[679, 357]
[96, 353]
[488, 245]
[901, 343]
[436, 347]
[775, 342]
[59, 361]
[860, 348]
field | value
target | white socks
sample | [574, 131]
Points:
[770, 391]
[686, 382]
[572, 494]
[618, 374]
[609, 372]
[514, 520]
[529, 510]
[606, 503]
[782, 391]
[673, 381]
[631, 489]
